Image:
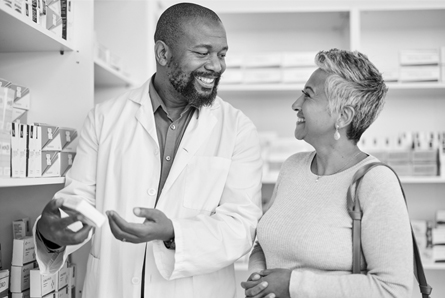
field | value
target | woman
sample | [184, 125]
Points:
[304, 237]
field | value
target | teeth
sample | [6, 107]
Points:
[206, 80]
[300, 120]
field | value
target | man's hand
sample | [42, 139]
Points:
[156, 226]
[273, 282]
[55, 228]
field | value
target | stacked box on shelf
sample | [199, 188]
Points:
[57, 149]
[262, 68]
[23, 261]
[52, 285]
[419, 65]
[438, 237]
[234, 72]
[7, 96]
[4, 283]
[298, 66]
[72, 279]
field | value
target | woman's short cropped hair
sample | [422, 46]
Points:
[354, 81]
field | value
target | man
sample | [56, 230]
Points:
[176, 169]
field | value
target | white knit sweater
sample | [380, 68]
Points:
[308, 229]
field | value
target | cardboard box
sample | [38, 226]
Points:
[419, 57]
[62, 277]
[22, 99]
[42, 285]
[19, 115]
[4, 281]
[419, 73]
[24, 294]
[23, 251]
[298, 59]
[19, 148]
[297, 75]
[6, 100]
[71, 275]
[92, 215]
[263, 60]
[5, 154]
[439, 253]
[63, 293]
[20, 277]
[20, 228]
[438, 236]
[55, 163]
[262, 75]
[54, 21]
[50, 137]
[67, 137]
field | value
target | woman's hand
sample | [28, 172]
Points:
[272, 283]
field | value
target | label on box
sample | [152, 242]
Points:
[4, 280]
[20, 280]
[23, 251]
[41, 285]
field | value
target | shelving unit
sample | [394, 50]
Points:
[106, 76]
[15, 182]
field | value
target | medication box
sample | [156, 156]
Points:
[419, 57]
[22, 99]
[4, 282]
[419, 73]
[20, 277]
[42, 285]
[20, 228]
[62, 277]
[91, 213]
[292, 59]
[55, 163]
[24, 294]
[23, 251]
[262, 75]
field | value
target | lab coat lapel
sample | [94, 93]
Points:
[197, 133]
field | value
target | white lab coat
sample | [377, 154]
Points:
[212, 195]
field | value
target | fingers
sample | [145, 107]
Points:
[148, 213]
[254, 276]
[257, 289]
[121, 228]
[249, 284]
[73, 238]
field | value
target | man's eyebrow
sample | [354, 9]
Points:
[209, 47]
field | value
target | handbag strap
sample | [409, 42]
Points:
[355, 211]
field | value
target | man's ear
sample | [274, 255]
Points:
[346, 116]
[162, 52]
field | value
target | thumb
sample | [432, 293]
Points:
[148, 213]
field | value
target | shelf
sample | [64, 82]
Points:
[19, 34]
[13, 182]
[270, 179]
[297, 87]
[106, 76]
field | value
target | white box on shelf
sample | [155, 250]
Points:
[24, 294]
[4, 280]
[20, 228]
[67, 137]
[22, 99]
[23, 150]
[15, 150]
[438, 236]
[439, 253]
[263, 60]
[20, 277]
[419, 73]
[56, 163]
[6, 101]
[95, 218]
[5, 154]
[262, 75]
[440, 217]
[42, 285]
[71, 275]
[297, 59]
[232, 76]
[50, 137]
[234, 61]
[53, 21]
[23, 251]
[19, 115]
[63, 293]
[297, 75]
[419, 57]
[62, 277]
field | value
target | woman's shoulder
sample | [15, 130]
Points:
[299, 158]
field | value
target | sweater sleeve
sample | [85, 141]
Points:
[386, 243]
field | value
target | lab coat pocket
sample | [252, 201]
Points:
[205, 180]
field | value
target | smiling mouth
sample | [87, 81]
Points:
[300, 120]
[206, 80]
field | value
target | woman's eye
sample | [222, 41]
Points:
[305, 93]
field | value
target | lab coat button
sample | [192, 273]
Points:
[167, 158]
[151, 191]
[135, 280]
[173, 127]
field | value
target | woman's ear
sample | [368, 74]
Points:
[346, 116]
[162, 52]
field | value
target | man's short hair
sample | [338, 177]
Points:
[170, 23]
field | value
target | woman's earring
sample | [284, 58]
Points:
[336, 134]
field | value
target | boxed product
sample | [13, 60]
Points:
[34, 151]
[419, 57]
[6, 101]
[50, 137]
[92, 215]
[439, 253]
[24, 294]
[63, 293]
[56, 163]
[4, 282]
[440, 218]
[67, 137]
[22, 99]
[297, 75]
[19, 147]
[115, 61]
[20, 277]
[296, 59]
[419, 73]
[263, 60]
[23, 251]
[20, 228]
[62, 277]
[262, 75]
[438, 236]
[234, 61]
[232, 76]
[101, 52]
[71, 275]
[42, 285]
[5, 154]
[53, 21]
[19, 115]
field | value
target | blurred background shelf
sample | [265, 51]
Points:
[106, 76]
[13, 182]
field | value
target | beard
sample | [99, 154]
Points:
[184, 84]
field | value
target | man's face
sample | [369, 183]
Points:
[197, 62]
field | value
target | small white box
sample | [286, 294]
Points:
[19, 115]
[232, 76]
[4, 280]
[262, 75]
[5, 154]
[55, 163]
[442, 73]
[263, 60]
[297, 59]
[22, 99]
[234, 61]
[439, 253]
[438, 236]
[50, 137]
[20, 228]
[91, 213]
[23, 251]
[6, 100]
[67, 137]
[419, 73]
[63, 293]
[24, 294]
[440, 216]
[419, 57]
[62, 277]
[53, 21]
[15, 150]
[23, 150]
[42, 285]
[297, 75]
[20, 277]
[71, 275]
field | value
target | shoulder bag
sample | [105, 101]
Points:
[356, 213]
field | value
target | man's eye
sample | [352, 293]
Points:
[201, 54]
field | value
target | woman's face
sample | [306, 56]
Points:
[314, 122]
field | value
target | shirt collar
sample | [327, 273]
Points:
[156, 100]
